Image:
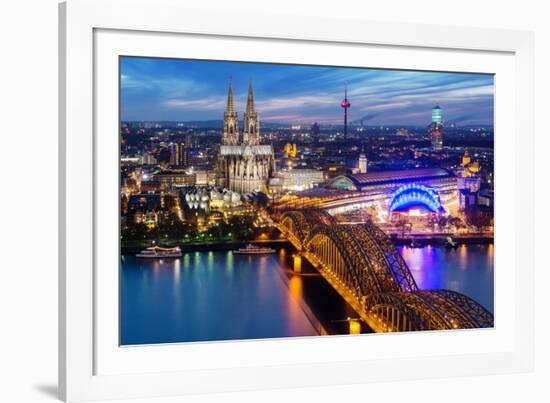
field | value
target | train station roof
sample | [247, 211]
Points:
[363, 180]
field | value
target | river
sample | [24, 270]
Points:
[207, 296]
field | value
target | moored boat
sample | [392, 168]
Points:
[157, 252]
[254, 250]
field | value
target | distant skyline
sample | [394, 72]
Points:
[184, 90]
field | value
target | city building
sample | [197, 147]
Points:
[205, 177]
[300, 179]
[129, 161]
[150, 186]
[486, 197]
[315, 130]
[436, 115]
[436, 129]
[198, 159]
[145, 202]
[362, 164]
[291, 150]
[402, 132]
[466, 158]
[350, 192]
[179, 155]
[170, 179]
[149, 159]
[149, 218]
[210, 198]
[376, 181]
[471, 183]
[468, 167]
[189, 141]
[468, 181]
[245, 166]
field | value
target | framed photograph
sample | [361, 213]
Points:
[251, 201]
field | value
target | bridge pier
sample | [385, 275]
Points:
[297, 263]
[354, 326]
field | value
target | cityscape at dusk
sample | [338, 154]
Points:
[185, 90]
[266, 200]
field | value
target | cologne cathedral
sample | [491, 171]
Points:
[243, 166]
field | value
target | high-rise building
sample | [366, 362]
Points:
[184, 155]
[436, 114]
[179, 155]
[315, 130]
[189, 141]
[175, 154]
[435, 129]
[243, 167]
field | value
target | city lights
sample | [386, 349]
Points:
[258, 203]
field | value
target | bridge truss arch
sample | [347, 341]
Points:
[341, 256]
[298, 224]
[427, 310]
[364, 266]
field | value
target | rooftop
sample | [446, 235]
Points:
[375, 178]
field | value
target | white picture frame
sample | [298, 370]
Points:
[84, 290]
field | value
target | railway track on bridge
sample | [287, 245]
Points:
[364, 267]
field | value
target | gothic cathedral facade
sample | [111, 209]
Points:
[246, 166]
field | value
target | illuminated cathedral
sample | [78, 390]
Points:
[243, 166]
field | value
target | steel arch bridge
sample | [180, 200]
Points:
[365, 267]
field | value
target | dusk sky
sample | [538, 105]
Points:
[183, 90]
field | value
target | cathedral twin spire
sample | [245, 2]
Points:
[230, 135]
[230, 104]
[250, 100]
[251, 131]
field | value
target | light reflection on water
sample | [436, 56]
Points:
[209, 296]
[467, 269]
[295, 295]
[222, 296]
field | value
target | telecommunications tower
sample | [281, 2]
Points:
[345, 104]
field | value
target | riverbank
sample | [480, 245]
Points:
[130, 248]
[441, 239]
[133, 248]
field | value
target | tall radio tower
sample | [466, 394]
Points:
[345, 104]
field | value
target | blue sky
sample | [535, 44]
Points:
[182, 90]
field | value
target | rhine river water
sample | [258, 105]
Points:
[206, 296]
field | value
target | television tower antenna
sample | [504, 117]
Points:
[345, 104]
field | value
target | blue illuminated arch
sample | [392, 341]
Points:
[415, 194]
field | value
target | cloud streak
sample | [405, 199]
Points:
[179, 90]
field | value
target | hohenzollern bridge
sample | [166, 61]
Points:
[363, 265]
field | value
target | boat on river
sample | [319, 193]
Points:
[254, 250]
[158, 252]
